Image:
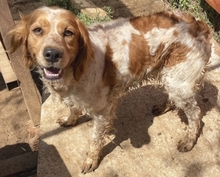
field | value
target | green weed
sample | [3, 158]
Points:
[89, 20]
[66, 4]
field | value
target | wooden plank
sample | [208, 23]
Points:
[6, 69]
[5, 66]
[18, 164]
[28, 88]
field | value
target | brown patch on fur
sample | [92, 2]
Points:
[36, 16]
[140, 57]
[85, 53]
[124, 42]
[18, 38]
[169, 19]
[109, 73]
[175, 33]
[196, 27]
[200, 31]
[139, 54]
[34, 42]
[19, 35]
[159, 20]
[174, 54]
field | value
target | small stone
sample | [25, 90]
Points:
[94, 12]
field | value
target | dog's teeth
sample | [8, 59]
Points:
[48, 73]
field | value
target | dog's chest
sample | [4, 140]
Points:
[84, 98]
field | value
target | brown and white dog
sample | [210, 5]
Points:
[87, 67]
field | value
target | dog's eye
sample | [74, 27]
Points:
[38, 31]
[68, 33]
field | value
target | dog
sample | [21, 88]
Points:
[87, 68]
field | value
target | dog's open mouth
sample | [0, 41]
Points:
[52, 73]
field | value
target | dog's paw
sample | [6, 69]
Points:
[186, 144]
[66, 122]
[89, 165]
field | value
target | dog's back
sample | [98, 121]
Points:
[165, 45]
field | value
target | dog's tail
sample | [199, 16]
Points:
[197, 27]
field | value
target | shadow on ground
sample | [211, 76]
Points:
[133, 123]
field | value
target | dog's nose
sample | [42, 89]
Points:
[52, 55]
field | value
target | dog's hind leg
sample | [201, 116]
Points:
[193, 114]
[184, 98]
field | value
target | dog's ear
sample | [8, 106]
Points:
[18, 38]
[85, 54]
[18, 35]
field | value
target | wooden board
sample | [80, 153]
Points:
[6, 70]
[28, 87]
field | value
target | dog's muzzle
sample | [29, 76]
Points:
[52, 56]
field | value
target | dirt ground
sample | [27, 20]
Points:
[13, 114]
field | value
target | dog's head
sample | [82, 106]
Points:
[54, 39]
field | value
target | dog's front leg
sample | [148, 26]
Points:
[102, 125]
[71, 119]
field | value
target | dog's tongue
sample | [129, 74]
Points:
[52, 73]
[52, 70]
